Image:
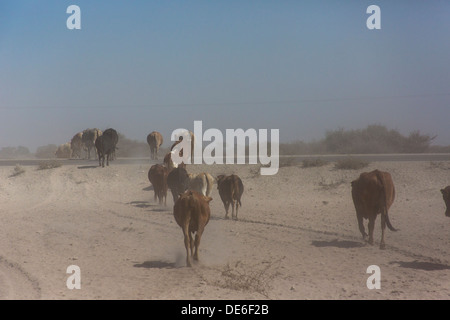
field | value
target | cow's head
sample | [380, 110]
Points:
[446, 195]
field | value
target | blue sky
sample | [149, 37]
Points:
[303, 67]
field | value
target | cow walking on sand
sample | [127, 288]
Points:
[106, 146]
[157, 175]
[154, 140]
[230, 189]
[178, 181]
[373, 193]
[192, 213]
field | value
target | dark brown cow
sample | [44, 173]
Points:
[178, 181]
[446, 195]
[105, 145]
[157, 175]
[230, 189]
[192, 213]
[115, 138]
[154, 140]
[373, 193]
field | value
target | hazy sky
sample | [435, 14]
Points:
[303, 67]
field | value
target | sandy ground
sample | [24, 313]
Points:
[296, 238]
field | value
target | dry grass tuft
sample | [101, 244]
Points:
[308, 163]
[49, 164]
[18, 170]
[255, 278]
[351, 164]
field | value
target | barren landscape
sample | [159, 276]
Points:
[296, 238]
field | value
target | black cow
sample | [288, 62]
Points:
[115, 137]
[106, 146]
[178, 181]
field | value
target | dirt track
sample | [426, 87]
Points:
[297, 237]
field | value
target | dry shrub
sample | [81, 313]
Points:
[308, 163]
[332, 184]
[18, 170]
[255, 278]
[351, 164]
[49, 164]
[287, 162]
[439, 165]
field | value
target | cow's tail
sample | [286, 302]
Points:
[384, 198]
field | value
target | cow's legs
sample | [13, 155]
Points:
[174, 195]
[383, 226]
[371, 228]
[187, 245]
[233, 213]
[198, 236]
[237, 206]
[361, 226]
[227, 207]
[192, 243]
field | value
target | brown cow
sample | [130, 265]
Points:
[157, 175]
[192, 213]
[230, 189]
[154, 140]
[373, 193]
[446, 195]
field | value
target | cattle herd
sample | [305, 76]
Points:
[373, 192]
[191, 193]
[102, 144]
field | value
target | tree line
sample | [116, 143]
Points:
[372, 139]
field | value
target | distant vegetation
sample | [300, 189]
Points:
[131, 148]
[373, 139]
[46, 152]
[15, 153]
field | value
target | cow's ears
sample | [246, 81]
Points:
[208, 199]
[442, 191]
